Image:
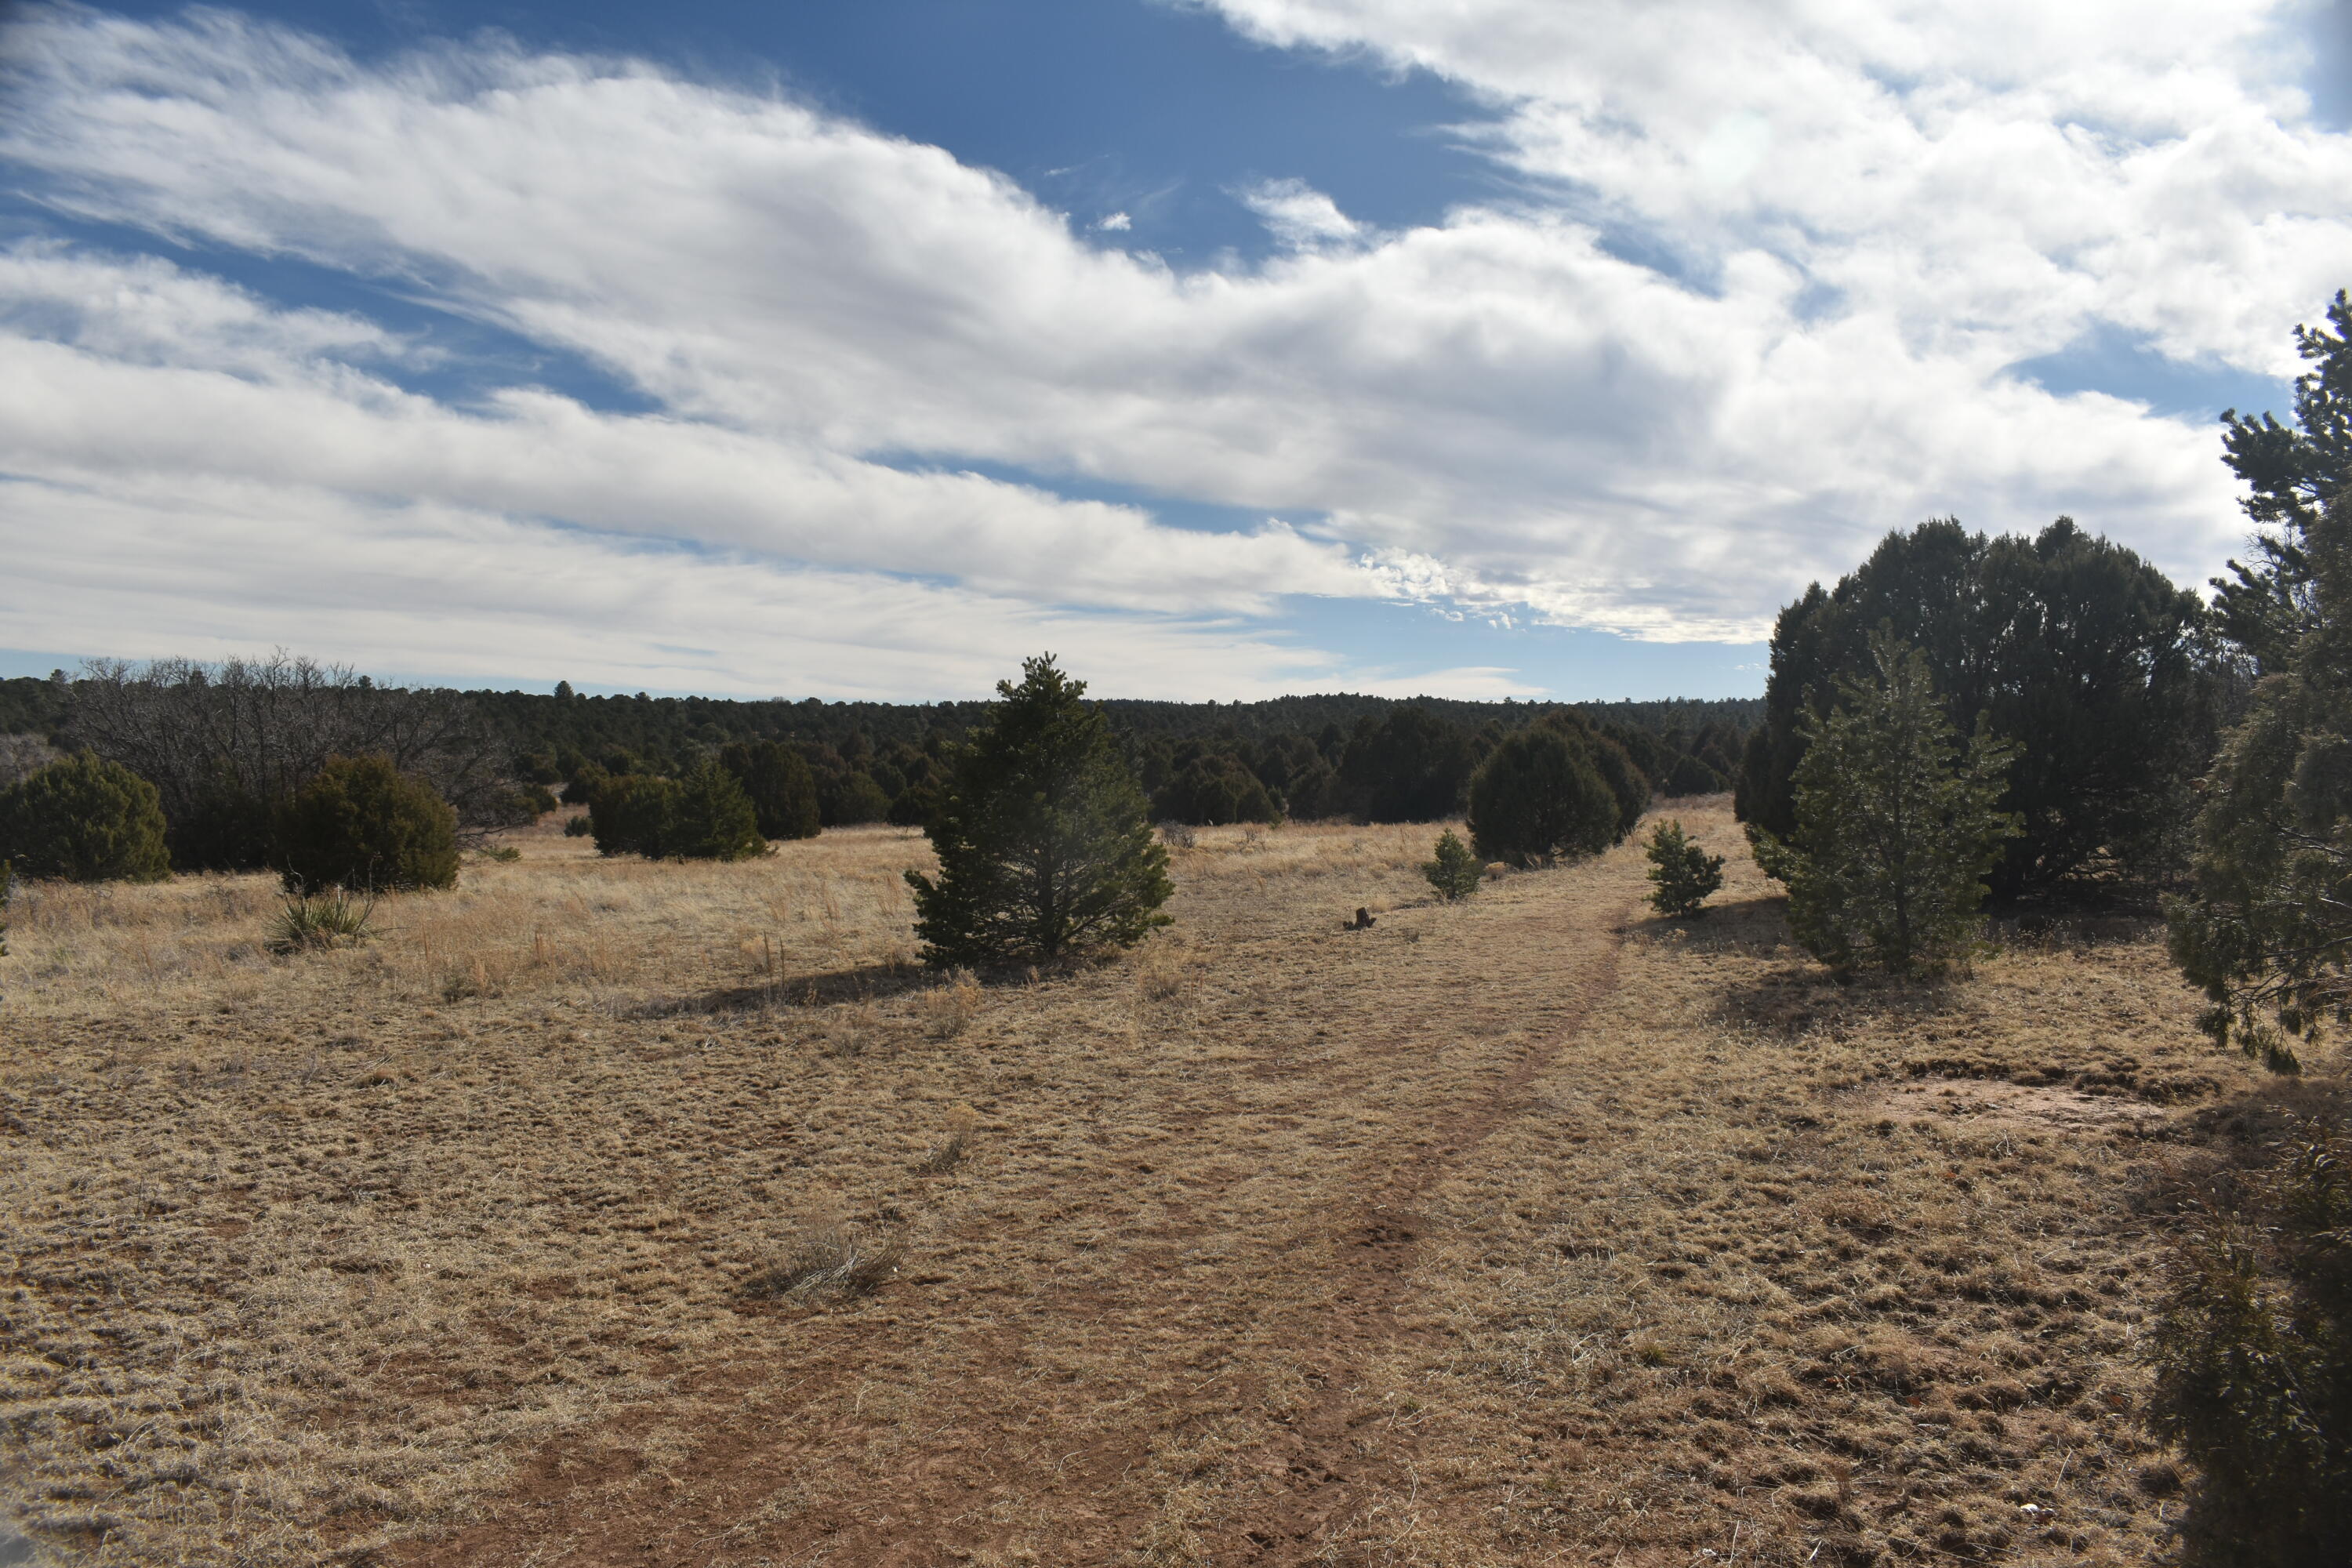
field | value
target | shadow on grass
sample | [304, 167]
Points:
[865, 982]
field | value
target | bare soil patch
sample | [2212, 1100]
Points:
[1528, 1230]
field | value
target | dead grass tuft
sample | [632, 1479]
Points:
[830, 1262]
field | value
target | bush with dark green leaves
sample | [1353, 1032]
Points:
[712, 818]
[783, 790]
[1536, 798]
[2086, 657]
[2252, 1353]
[1455, 872]
[1044, 836]
[84, 819]
[633, 813]
[362, 822]
[1895, 828]
[851, 798]
[1689, 776]
[1682, 874]
[1212, 791]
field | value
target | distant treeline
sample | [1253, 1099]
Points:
[1317, 756]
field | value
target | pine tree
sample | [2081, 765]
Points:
[1044, 838]
[2266, 932]
[85, 819]
[1680, 873]
[1536, 798]
[713, 819]
[1895, 829]
[1455, 871]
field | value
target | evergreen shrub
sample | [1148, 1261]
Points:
[634, 814]
[1895, 828]
[2253, 1351]
[363, 823]
[1454, 872]
[782, 789]
[84, 819]
[1536, 799]
[1682, 874]
[714, 819]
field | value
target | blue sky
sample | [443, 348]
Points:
[1227, 347]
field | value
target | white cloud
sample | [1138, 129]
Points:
[1877, 209]
[1299, 216]
[1116, 223]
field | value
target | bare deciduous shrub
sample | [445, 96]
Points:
[22, 754]
[1179, 836]
[831, 1261]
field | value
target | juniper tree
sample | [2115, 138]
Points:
[783, 790]
[363, 823]
[1042, 835]
[85, 819]
[1536, 798]
[1896, 826]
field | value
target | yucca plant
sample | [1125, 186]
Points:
[335, 917]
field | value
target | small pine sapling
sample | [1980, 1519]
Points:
[1456, 872]
[1680, 873]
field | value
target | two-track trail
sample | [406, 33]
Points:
[1146, 1319]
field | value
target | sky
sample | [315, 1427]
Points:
[1225, 348]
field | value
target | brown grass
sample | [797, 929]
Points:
[608, 1211]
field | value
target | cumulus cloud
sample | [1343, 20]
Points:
[1865, 213]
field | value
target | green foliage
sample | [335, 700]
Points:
[363, 823]
[2074, 648]
[1044, 845]
[1536, 798]
[1689, 776]
[1408, 767]
[1894, 830]
[84, 819]
[1212, 791]
[848, 798]
[1456, 872]
[2253, 1351]
[634, 814]
[2267, 929]
[2293, 472]
[1682, 874]
[713, 818]
[1628, 785]
[334, 917]
[782, 789]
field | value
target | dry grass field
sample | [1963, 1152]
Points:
[608, 1213]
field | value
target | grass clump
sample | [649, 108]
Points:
[831, 1261]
